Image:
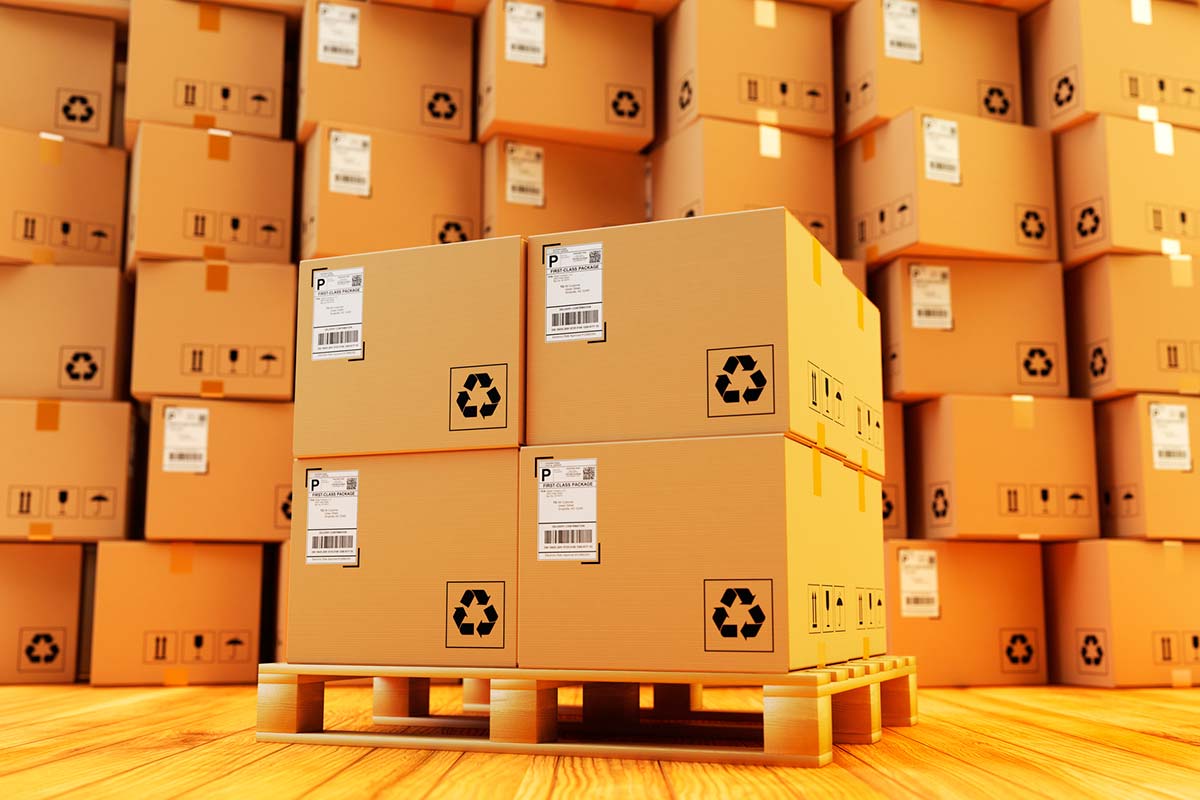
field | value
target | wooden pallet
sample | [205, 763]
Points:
[804, 712]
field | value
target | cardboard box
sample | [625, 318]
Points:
[39, 611]
[1001, 468]
[895, 498]
[412, 190]
[1133, 326]
[387, 67]
[471, 8]
[902, 191]
[855, 272]
[1070, 76]
[67, 474]
[768, 63]
[205, 66]
[714, 166]
[176, 614]
[971, 327]
[971, 612]
[52, 220]
[533, 186]
[282, 585]
[1126, 186]
[566, 72]
[202, 194]
[363, 387]
[65, 331]
[293, 9]
[433, 543]
[211, 329]
[734, 546]
[1103, 634]
[959, 57]
[786, 343]
[110, 9]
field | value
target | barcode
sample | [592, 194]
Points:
[594, 257]
[942, 165]
[177, 456]
[932, 312]
[562, 318]
[332, 541]
[356, 280]
[341, 177]
[338, 48]
[528, 48]
[919, 601]
[1172, 453]
[337, 337]
[589, 473]
[519, 188]
[569, 536]
[903, 44]
[352, 484]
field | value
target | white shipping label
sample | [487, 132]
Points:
[185, 439]
[575, 292]
[919, 584]
[941, 150]
[337, 319]
[337, 34]
[524, 174]
[931, 303]
[525, 33]
[332, 518]
[350, 163]
[902, 29]
[567, 510]
[1169, 437]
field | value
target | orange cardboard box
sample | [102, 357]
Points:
[367, 190]
[895, 499]
[892, 55]
[382, 66]
[204, 194]
[67, 474]
[933, 183]
[566, 72]
[281, 599]
[52, 220]
[373, 379]
[533, 186]
[39, 611]
[1126, 186]
[786, 596]
[950, 328]
[469, 7]
[714, 166]
[65, 330]
[117, 10]
[1133, 326]
[176, 613]
[291, 8]
[432, 539]
[971, 612]
[204, 66]
[660, 8]
[1102, 633]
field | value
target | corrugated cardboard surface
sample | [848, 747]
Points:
[112, 9]
[39, 612]
[471, 7]
[895, 498]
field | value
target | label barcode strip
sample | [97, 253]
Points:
[332, 541]
[561, 318]
[337, 337]
[569, 536]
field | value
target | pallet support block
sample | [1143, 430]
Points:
[524, 711]
[796, 722]
[898, 699]
[856, 716]
[611, 705]
[476, 695]
[401, 697]
[291, 703]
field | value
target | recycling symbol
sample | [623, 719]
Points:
[1088, 223]
[1064, 91]
[78, 109]
[1019, 650]
[888, 505]
[685, 94]
[442, 106]
[452, 232]
[82, 367]
[996, 101]
[941, 503]
[42, 649]
[492, 396]
[1098, 365]
[624, 104]
[743, 597]
[286, 506]
[750, 393]
[1037, 362]
[1091, 652]
[1032, 225]
[478, 597]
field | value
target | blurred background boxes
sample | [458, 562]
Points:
[895, 497]
[39, 611]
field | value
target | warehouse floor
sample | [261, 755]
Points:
[199, 741]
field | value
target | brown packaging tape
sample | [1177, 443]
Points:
[219, 146]
[816, 471]
[212, 388]
[208, 17]
[866, 647]
[1173, 556]
[820, 655]
[50, 150]
[872, 252]
[816, 259]
[42, 255]
[861, 313]
[181, 557]
[175, 676]
[41, 531]
[204, 121]
[821, 435]
[46, 417]
[214, 252]
[868, 145]
[1022, 412]
[216, 276]
[1182, 272]
[1181, 678]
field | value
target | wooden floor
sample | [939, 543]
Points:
[199, 742]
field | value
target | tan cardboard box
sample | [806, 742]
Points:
[387, 67]
[176, 613]
[1123, 613]
[65, 331]
[714, 166]
[1126, 186]
[469, 7]
[733, 544]
[291, 8]
[895, 499]
[1073, 71]
[971, 327]
[432, 541]
[1001, 468]
[212, 329]
[282, 585]
[891, 56]
[768, 63]
[110, 9]
[52, 221]
[786, 343]
[374, 378]
[204, 66]
[932, 183]
[39, 611]
[203, 194]
[856, 272]
[67, 474]
[971, 612]
[532, 186]
[408, 191]
[660, 8]
[566, 72]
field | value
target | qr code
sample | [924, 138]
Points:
[352, 484]
[589, 473]
[594, 257]
[356, 280]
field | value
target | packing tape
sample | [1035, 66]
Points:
[1140, 12]
[42, 255]
[1181, 678]
[1170, 247]
[868, 145]
[861, 321]
[821, 435]
[866, 460]
[766, 116]
[212, 388]
[214, 252]
[204, 121]
[219, 144]
[862, 491]
[820, 655]
[1022, 412]
[1029, 537]
[1182, 275]
[216, 276]
[175, 676]
[1189, 384]
[770, 141]
[816, 470]
[816, 260]
[181, 557]
[1173, 556]
[871, 253]
[41, 531]
[208, 17]
[1147, 113]
[1164, 139]
[50, 147]
[46, 416]
[764, 13]
[866, 647]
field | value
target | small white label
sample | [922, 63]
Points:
[931, 304]
[919, 584]
[1169, 437]
[941, 150]
[575, 292]
[332, 536]
[567, 510]
[337, 34]
[337, 320]
[902, 29]
[524, 174]
[525, 33]
[350, 163]
[185, 439]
